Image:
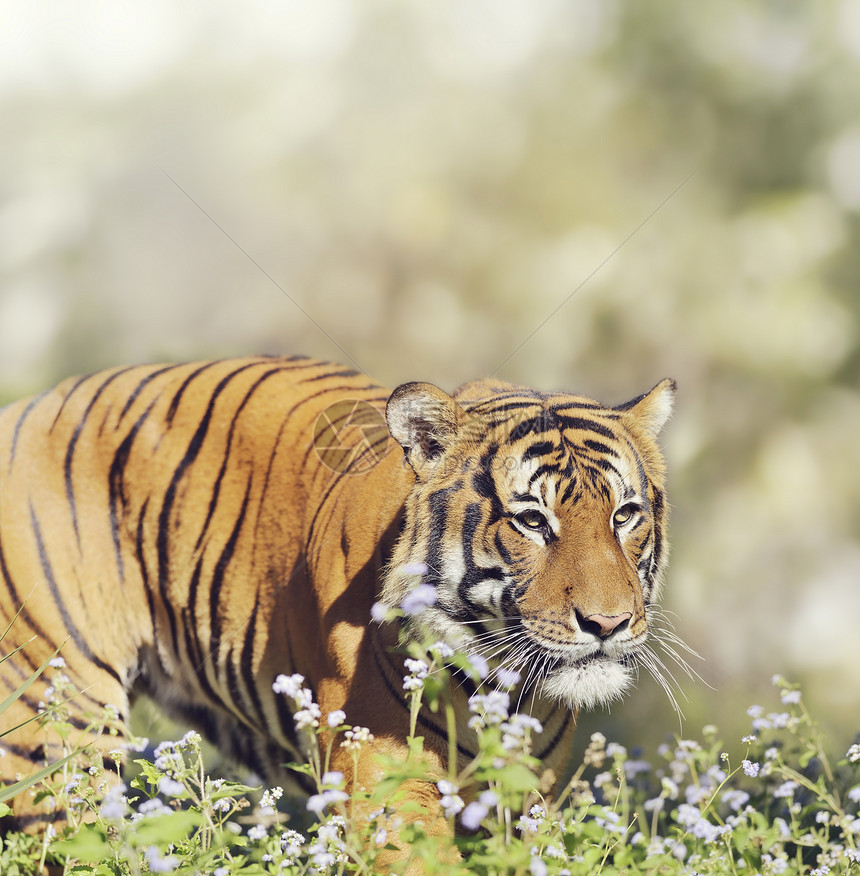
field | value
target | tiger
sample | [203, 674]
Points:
[191, 532]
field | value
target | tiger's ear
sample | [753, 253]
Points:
[652, 409]
[424, 420]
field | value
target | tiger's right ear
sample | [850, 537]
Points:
[424, 420]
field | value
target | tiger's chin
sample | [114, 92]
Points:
[597, 681]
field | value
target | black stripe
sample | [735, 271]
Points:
[25, 413]
[246, 664]
[217, 581]
[585, 425]
[174, 404]
[551, 745]
[541, 448]
[71, 628]
[191, 453]
[116, 491]
[216, 492]
[600, 447]
[72, 445]
[139, 388]
[67, 396]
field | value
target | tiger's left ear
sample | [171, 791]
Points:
[424, 420]
[652, 409]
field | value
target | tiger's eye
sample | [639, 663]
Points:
[623, 515]
[532, 519]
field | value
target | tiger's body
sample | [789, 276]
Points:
[196, 530]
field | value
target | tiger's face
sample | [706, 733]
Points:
[538, 521]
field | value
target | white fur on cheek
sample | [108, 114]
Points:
[595, 682]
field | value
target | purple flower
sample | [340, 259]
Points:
[750, 768]
[423, 596]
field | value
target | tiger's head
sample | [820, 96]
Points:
[535, 530]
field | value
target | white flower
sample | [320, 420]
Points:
[355, 738]
[423, 596]
[333, 779]
[157, 864]
[508, 678]
[170, 787]
[791, 697]
[413, 569]
[854, 753]
[379, 612]
[479, 666]
[290, 685]
[336, 718]
[451, 801]
[57, 662]
[257, 832]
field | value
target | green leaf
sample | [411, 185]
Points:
[89, 844]
[163, 829]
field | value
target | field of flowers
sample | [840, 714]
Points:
[772, 802]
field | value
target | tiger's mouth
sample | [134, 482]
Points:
[597, 679]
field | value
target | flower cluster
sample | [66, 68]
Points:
[307, 713]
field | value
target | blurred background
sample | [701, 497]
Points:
[574, 194]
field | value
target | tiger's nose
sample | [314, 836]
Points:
[607, 625]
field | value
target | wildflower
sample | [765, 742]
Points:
[355, 738]
[225, 804]
[423, 596]
[307, 718]
[257, 832]
[292, 842]
[853, 855]
[333, 779]
[441, 650]
[786, 789]
[291, 685]
[319, 802]
[791, 697]
[537, 867]
[413, 569]
[451, 800]
[479, 666]
[515, 733]
[114, 806]
[632, 768]
[854, 794]
[822, 817]
[170, 787]
[531, 823]
[854, 753]
[336, 718]
[489, 708]
[508, 678]
[614, 750]
[157, 864]
[596, 751]
[418, 671]
[74, 784]
[190, 740]
[755, 711]
[747, 740]
[221, 871]
[57, 662]
[750, 768]
[735, 799]
[477, 810]
[379, 612]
